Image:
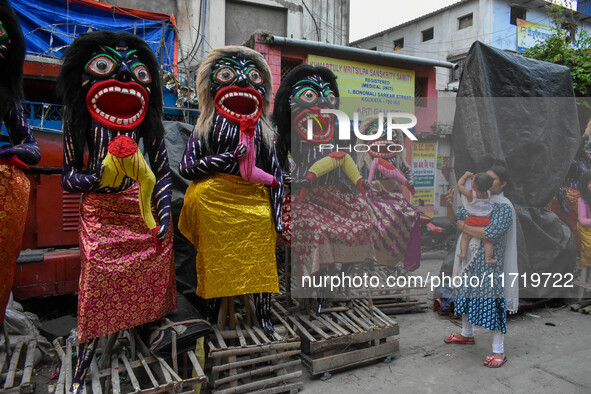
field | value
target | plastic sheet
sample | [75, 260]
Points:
[521, 113]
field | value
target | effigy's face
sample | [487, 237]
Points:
[238, 88]
[118, 87]
[4, 41]
[382, 147]
[308, 97]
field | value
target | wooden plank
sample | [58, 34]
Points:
[174, 355]
[239, 331]
[303, 331]
[345, 322]
[196, 365]
[286, 388]
[256, 349]
[2, 360]
[334, 327]
[253, 361]
[94, 376]
[9, 382]
[115, 375]
[134, 381]
[59, 388]
[365, 316]
[261, 334]
[107, 351]
[250, 332]
[68, 365]
[218, 335]
[313, 326]
[282, 321]
[148, 370]
[357, 320]
[352, 322]
[352, 358]
[167, 367]
[256, 371]
[357, 338]
[245, 388]
[30, 358]
[383, 315]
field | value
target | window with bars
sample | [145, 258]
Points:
[287, 66]
[427, 34]
[421, 92]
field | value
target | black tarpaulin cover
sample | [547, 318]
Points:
[521, 113]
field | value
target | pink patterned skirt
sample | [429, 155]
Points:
[124, 280]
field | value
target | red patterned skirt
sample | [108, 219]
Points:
[124, 281]
[397, 232]
[14, 201]
[331, 225]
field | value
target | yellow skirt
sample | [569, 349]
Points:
[229, 222]
[585, 232]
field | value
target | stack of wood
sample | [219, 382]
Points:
[393, 299]
[244, 358]
[16, 365]
[122, 364]
[583, 306]
[343, 337]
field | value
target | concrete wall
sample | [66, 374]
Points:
[204, 24]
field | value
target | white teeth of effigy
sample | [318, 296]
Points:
[239, 94]
[115, 119]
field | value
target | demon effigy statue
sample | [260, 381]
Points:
[21, 150]
[329, 224]
[110, 85]
[397, 233]
[233, 207]
[565, 203]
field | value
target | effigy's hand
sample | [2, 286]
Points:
[240, 151]
[9, 156]
[97, 178]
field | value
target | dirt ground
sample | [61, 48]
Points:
[541, 358]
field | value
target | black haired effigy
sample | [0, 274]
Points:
[21, 151]
[110, 85]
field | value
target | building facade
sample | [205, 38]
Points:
[448, 33]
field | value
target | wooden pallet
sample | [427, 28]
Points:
[16, 369]
[344, 337]
[392, 300]
[140, 372]
[246, 359]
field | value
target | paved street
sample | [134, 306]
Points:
[542, 358]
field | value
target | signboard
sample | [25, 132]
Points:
[368, 89]
[570, 4]
[530, 33]
[424, 166]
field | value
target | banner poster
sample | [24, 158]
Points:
[367, 88]
[424, 166]
[530, 33]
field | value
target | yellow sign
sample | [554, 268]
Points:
[422, 197]
[367, 89]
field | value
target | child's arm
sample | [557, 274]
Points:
[584, 218]
[461, 185]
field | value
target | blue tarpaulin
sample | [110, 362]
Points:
[50, 26]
